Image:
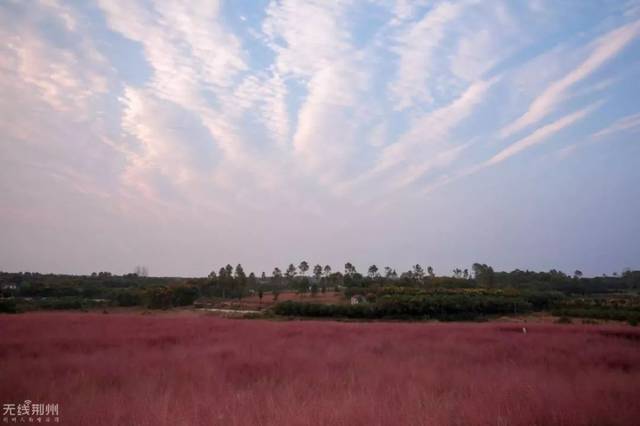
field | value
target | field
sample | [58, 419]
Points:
[187, 369]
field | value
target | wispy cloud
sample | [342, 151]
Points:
[604, 49]
[416, 46]
[541, 134]
[629, 122]
[261, 122]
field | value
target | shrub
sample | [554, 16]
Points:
[8, 306]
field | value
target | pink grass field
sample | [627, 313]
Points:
[132, 369]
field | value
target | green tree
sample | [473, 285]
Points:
[228, 270]
[304, 267]
[276, 276]
[240, 281]
[418, 272]
[183, 295]
[290, 273]
[302, 285]
[484, 274]
[349, 269]
[373, 271]
[327, 271]
[252, 281]
[317, 271]
[430, 272]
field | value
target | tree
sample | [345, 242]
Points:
[183, 295]
[317, 271]
[260, 295]
[327, 270]
[484, 274]
[457, 273]
[290, 272]
[304, 267]
[577, 274]
[226, 280]
[276, 276]
[252, 280]
[240, 280]
[141, 271]
[387, 272]
[349, 269]
[302, 285]
[239, 272]
[158, 298]
[418, 272]
[465, 274]
[430, 272]
[373, 271]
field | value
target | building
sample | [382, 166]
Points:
[356, 299]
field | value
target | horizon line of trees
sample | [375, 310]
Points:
[478, 271]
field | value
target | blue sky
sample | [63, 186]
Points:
[187, 135]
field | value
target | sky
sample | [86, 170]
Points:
[185, 135]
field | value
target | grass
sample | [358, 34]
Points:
[202, 370]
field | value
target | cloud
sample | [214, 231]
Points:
[541, 134]
[186, 121]
[313, 47]
[66, 79]
[626, 123]
[536, 137]
[416, 46]
[604, 49]
[426, 141]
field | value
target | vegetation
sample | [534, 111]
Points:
[472, 293]
[200, 370]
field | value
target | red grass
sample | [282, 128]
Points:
[202, 370]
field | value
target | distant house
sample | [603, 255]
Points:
[8, 287]
[356, 299]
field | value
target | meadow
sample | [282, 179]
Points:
[188, 369]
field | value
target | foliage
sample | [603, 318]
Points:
[435, 306]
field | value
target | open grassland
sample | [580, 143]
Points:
[201, 370]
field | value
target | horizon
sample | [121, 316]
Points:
[309, 273]
[182, 136]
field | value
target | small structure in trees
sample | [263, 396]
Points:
[357, 299]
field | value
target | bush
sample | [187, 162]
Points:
[599, 312]
[63, 303]
[128, 298]
[446, 307]
[8, 306]
[184, 295]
